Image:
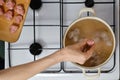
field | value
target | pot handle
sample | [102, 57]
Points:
[92, 77]
[87, 10]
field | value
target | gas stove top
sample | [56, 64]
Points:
[46, 27]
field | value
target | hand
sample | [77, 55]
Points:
[79, 52]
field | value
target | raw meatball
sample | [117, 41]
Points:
[9, 15]
[1, 11]
[13, 28]
[10, 4]
[18, 19]
[1, 2]
[88, 45]
[90, 42]
[20, 9]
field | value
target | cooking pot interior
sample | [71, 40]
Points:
[95, 30]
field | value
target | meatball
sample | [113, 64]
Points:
[9, 15]
[20, 9]
[90, 42]
[10, 4]
[18, 19]
[13, 28]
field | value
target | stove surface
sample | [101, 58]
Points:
[47, 25]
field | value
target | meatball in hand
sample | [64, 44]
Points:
[79, 52]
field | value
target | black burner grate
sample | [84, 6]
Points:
[61, 4]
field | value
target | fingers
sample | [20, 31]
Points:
[76, 51]
[78, 45]
[87, 45]
[81, 43]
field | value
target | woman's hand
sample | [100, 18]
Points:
[79, 52]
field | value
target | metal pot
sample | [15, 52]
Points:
[90, 21]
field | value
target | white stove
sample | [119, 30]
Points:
[47, 25]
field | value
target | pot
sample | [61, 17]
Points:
[92, 27]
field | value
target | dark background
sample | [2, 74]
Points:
[2, 61]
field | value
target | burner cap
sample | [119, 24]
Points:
[89, 3]
[35, 4]
[35, 49]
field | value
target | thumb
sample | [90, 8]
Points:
[89, 53]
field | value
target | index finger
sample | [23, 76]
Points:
[82, 42]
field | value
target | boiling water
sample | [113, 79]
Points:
[97, 31]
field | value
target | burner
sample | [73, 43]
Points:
[89, 3]
[35, 49]
[35, 4]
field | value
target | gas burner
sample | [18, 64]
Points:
[35, 49]
[35, 4]
[89, 3]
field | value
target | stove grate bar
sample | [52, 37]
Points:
[84, 2]
[53, 2]
[53, 25]
[28, 48]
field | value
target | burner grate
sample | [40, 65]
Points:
[62, 26]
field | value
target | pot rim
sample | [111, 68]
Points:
[98, 19]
